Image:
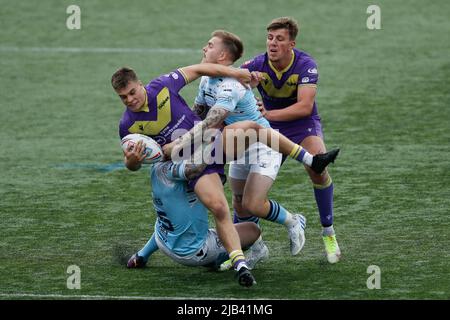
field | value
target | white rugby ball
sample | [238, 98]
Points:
[153, 149]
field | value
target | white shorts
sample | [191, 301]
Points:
[211, 254]
[258, 158]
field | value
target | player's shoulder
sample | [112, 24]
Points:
[204, 81]
[305, 64]
[304, 58]
[255, 62]
[166, 79]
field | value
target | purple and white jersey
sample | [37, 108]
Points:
[166, 111]
[279, 89]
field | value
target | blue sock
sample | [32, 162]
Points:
[237, 219]
[149, 248]
[324, 200]
[277, 213]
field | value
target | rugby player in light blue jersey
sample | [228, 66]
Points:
[287, 81]
[181, 228]
[228, 102]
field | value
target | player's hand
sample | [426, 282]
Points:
[168, 149]
[257, 77]
[261, 107]
[135, 154]
[243, 76]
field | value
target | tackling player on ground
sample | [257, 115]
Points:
[181, 228]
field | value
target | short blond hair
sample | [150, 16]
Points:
[231, 42]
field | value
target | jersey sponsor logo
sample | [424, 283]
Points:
[312, 70]
[160, 140]
[172, 74]
[162, 104]
[225, 98]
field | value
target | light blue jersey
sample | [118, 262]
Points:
[229, 94]
[182, 223]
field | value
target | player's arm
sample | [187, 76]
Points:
[201, 110]
[195, 71]
[134, 155]
[214, 119]
[302, 108]
[187, 170]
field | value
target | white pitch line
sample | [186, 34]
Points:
[95, 297]
[98, 50]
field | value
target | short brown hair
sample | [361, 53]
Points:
[231, 42]
[285, 23]
[122, 77]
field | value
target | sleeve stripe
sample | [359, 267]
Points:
[308, 85]
[184, 76]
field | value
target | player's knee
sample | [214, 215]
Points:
[246, 124]
[319, 179]
[253, 206]
[218, 208]
[237, 204]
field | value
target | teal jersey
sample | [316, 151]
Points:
[182, 220]
[229, 94]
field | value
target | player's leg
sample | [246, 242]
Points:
[251, 197]
[238, 136]
[140, 258]
[237, 176]
[248, 233]
[209, 190]
[255, 200]
[323, 192]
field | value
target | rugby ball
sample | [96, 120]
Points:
[153, 149]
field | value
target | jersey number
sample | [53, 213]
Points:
[165, 222]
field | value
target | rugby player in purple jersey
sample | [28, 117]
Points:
[287, 78]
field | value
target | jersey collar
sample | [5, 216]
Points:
[279, 74]
[145, 107]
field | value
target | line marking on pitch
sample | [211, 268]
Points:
[98, 50]
[107, 297]
[94, 297]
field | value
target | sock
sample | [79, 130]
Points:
[149, 248]
[300, 154]
[328, 231]
[324, 200]
[238, 260]
[237, 219]
[277, 213]
[257, 243]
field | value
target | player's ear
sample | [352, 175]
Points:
[293, 43]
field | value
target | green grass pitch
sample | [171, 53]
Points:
[383, 96]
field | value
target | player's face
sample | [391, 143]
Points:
[279, 45]
[133, 95]
[213, 50]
